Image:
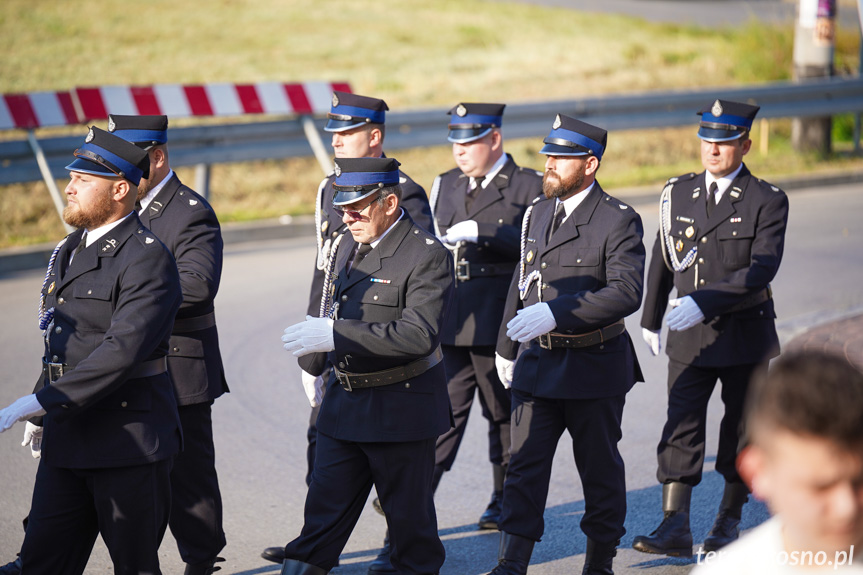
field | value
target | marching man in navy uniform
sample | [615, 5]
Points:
[478, 207]
[720, 242]
[358, 126]
[564, 348]
[386, 292]
[111, 427]
[187, 225]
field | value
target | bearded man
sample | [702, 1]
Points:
[564, 350]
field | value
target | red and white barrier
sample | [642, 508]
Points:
[39, 109]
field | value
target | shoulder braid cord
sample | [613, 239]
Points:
[47, 316]
[328, 277]
[433, 196]
[668, 254]
[319, 208]
[535, 275]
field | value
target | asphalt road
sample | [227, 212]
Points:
[260, 427]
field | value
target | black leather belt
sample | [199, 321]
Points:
[54, 371]
[190, 324]
[464, 270]
[552, 340]
[753, 300]
[351, 381]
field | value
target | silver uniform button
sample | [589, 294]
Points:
[58, 329]
[701, 260]
[60, 301]
[704, 240]
[734, 233]
[407, 386]
[375, 298]
[123, 404]
[344, 298]
[54, 358]
[701, 282]
[543, 265]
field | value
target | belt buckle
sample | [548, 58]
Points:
[545, 340]
[462, 270]
[55, 371]
[344, 380]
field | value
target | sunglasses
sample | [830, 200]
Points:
[354, 214]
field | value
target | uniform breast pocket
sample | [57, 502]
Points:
[735, 243]
[381, 294]
[94, 301]
[579, 257]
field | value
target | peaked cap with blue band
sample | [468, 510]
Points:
[723, 120]
[571, 137]
[145, 131]
[469, 122]
[358, 178]
[107, 155]
[350, 111]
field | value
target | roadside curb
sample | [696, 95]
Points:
[37, 256]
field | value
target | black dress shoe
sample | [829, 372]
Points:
[491, 515]
[205, 568]
[274, 554]
[13, 568]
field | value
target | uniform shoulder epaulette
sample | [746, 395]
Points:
[190, 200]
[768, 185]
[683, 178]
[146, 237]
[529, 170]
[612, 201]
[424, 236]
[538, 198]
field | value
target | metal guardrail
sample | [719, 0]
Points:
[206, 145]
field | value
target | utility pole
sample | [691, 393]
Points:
[814, 41]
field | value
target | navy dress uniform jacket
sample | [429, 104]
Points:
[390, 312]
[498, 210]
[329, 225]
[739, 250]
[114, 309]
[592, 273]
[187, 225]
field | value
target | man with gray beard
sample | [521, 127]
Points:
[564, 350]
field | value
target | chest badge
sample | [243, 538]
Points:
[51, 287]
[529, 257]
[690, 231]
[325, 225]
[679, 245]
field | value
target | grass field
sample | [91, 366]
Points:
[413, 54]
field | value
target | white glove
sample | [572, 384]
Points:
[531, 322]
[685, 314]
[311, 336]
[33, 438]
[466, 231]
[652, 339]
[21, 409]
[314, 386]
[505, 368]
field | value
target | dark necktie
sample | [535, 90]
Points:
[81, 245]
[138, 206]
[711, 197]
[361, 252]
[472, 192]
[559, 216]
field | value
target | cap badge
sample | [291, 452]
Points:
[556, 124]
[679, 245]
[90, 136]
[335, 100]
[461, 110]
[529, 257]
[716, 110]
[690, 231]
[338, 170]
[111, 125]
